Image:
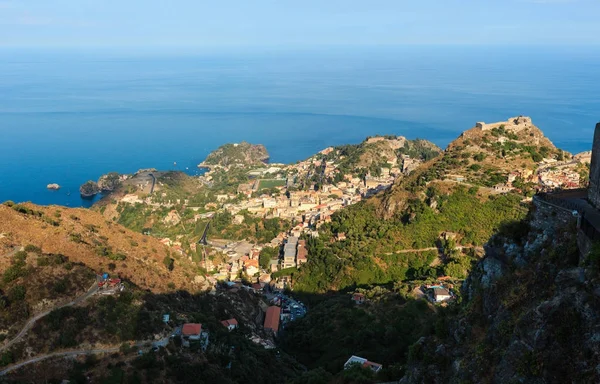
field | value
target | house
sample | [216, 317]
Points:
[272, 319]
[441, 294]
[301, 256]
[355, 360]
[274, 265]
[251, 267]
[191, 331]
[340, 236]
[358, 298]
[230, 324]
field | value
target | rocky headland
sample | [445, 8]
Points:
[237, 154]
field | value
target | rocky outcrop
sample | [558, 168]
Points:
[109, 182]
[529, 315]
[53, 186]
[239, 154]
[89, 189]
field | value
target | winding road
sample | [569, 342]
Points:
[90, 292]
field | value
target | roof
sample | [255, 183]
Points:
[363, 363]
[252, 262]
[439, 291]
[272, 318]
[191, 329]
[374, 366]
[229, 322]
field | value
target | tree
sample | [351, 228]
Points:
[266, 255]
[169, 263]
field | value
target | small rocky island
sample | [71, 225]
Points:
[53, 186]
[237, 154]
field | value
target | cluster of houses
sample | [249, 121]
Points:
[563, 178]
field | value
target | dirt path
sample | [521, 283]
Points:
[70, 353]
[90, 292]
[460, 248]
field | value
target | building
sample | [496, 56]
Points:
[274, 265]
[441, 294]
[355, 360]
[272, 319]
[358, 298]
[191, 331]
[230, 324]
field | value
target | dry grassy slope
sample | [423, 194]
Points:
[459, 157]
[144, 255]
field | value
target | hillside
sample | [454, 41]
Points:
[529, 315]
[84, 236]
[379, 152]
[239, 154]
[497, 158]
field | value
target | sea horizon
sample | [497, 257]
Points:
[69, 117]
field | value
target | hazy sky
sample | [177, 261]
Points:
[54, 23]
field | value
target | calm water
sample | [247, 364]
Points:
[67, 117]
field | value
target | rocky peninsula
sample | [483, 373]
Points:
[237, 154]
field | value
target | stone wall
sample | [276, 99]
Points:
[594, 189]
[514, 124]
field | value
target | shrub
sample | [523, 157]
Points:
[60, 286]
[76, 238]
[33, 249]
[20, 257]
[16, 293]
[169, 263]
[117, 256]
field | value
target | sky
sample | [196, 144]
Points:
[202, 23]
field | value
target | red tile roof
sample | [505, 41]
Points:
[191, 329]
[272, 318]
[229, 322]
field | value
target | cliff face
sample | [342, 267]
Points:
[529, 314]
[84, 236]
[242, 154]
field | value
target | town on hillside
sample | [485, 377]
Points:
[307, 193]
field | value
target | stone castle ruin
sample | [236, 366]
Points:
[594, 188]
[514, 124]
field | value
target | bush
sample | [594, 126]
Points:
[169, 263]
[60, 286]
[76, 238]
[16, 293]
[19, 257]
[33, 249]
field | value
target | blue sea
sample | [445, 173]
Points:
[70, 116]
